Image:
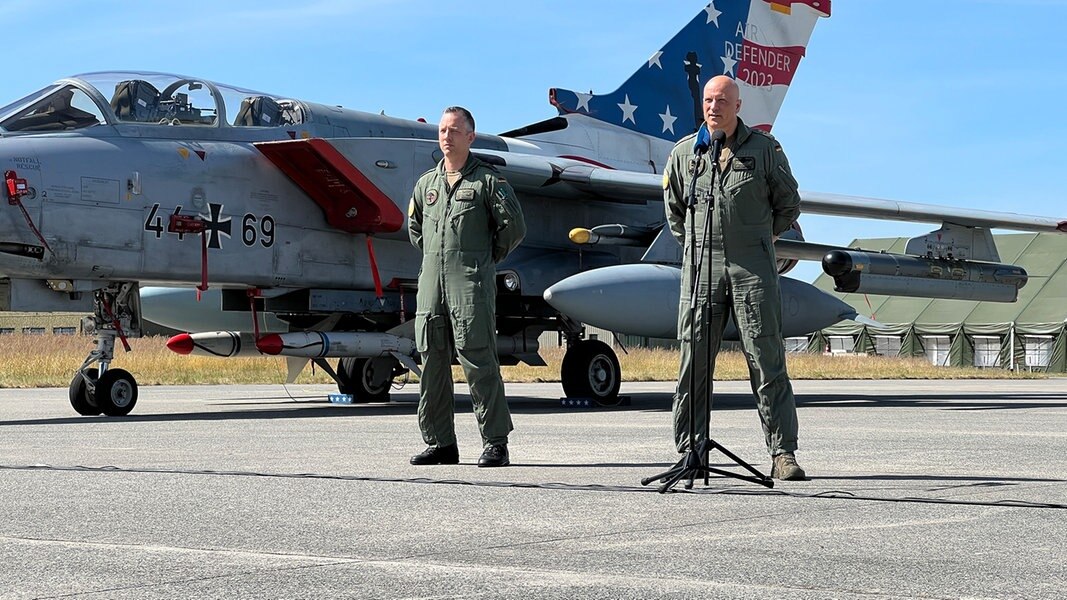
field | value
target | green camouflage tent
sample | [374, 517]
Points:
[1028, 334]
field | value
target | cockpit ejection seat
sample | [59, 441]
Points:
[259, 111]
[136, 100]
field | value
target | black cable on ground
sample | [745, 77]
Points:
[730, 491]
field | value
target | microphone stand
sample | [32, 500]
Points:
[697, 459]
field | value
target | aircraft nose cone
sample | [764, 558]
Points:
[181, 343]
[270, 344]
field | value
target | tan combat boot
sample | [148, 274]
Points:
[784, 466]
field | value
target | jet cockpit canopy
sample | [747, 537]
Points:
[147, 98]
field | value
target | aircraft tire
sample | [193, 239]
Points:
[116, 393]
[591, 370]
[80, 398]
[357, 378]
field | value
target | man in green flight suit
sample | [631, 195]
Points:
[465, 218]
[753, 200]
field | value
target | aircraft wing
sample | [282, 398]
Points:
[573, 178]
[576, 178]
[958, 260]
[874, 208]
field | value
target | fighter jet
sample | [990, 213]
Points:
[294, 209]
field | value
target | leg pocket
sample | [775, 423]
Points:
[761, 313]
[474, 326]
[683, 317]
[430, 331]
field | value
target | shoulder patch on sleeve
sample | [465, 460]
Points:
[411, 207]
[666, 179]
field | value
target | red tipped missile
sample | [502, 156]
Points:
[310, 344]
[214, 343]
[322, 344]
[181, 343]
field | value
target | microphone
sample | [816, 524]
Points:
[702, 141]
[717, 140]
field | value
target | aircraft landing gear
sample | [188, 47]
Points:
[367, 379]
[83, 402]
[113, 392]
[591, 370]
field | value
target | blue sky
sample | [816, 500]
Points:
[955, 102]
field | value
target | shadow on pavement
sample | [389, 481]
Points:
[307, 407]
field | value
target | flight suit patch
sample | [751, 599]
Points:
[465, 194]
[744, 163]
[411, 208]
[431, 197]
[697, 166]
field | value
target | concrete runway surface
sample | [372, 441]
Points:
[928, 489]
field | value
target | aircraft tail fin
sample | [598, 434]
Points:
[757, 42]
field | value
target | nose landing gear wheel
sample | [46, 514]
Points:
[116, 392]
[80, 398]
[591, 370]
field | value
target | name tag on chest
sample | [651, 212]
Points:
[465, 194]
[744, 163]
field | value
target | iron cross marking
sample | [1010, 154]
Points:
[216, 227]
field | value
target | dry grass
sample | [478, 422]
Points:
[49, 361]
[644, 364]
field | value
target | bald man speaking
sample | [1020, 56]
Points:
[753, 199]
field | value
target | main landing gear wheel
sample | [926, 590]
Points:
[116, 393]
[366, 379]
[591, 370]
[80, 398]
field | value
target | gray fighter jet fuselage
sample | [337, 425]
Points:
[103, 190]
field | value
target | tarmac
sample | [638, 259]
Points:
[918, 489]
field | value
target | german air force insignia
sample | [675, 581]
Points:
[431, 197]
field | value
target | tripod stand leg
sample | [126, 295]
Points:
[662, 477]
[672, 481]
[763, 478]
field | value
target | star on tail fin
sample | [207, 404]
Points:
[757, 42]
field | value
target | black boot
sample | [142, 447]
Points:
[437, 455]
[495, 455]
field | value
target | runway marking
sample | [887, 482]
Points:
[545, 578]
